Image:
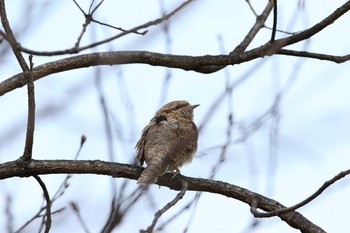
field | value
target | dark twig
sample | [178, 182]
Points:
[160, 212]
[82, 11]
[320, 56]
[11, 38]
[88, 18]
[125, 32]
[82, 141]
[274, 27]
[260, 22]
[279, 212]
[48, 203]
[251, 8]
[120, 205]
[60, 191]
[118, 28]
[27, 154]
[38, 215]
[179, 213]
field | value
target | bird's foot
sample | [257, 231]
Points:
[177, 171]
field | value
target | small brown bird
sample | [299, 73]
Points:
[168, 141]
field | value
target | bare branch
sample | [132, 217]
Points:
[328, 183]
[159, 213]
[260, 22]
[275, 46]
[27, 71]
[11, 38]
[48, 203]
[27, 154]
[251, 8]
[125, 32]
[274, 27]
[319, 56]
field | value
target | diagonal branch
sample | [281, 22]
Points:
[260, 21]
[275, 46]
[160, 212]
[27, 72]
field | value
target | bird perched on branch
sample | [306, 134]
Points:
[168, 142]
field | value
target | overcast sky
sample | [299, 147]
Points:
[309, 142]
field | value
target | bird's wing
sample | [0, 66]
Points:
[155, 130]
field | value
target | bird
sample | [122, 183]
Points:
[168, 142]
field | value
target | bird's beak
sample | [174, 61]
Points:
[194, 106]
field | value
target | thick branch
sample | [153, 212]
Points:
[40, 167]
[195, 63]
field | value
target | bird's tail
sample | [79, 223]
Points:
[155, 168]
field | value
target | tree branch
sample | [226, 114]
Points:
[48, 203]
[195, 63]
[76, 49]
[259, 23]
[40, 167]
[274, 26]
[27, 75]
[304, 202]
[319, 56]
[160, 212]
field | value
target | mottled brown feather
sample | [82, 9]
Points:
[168, 141]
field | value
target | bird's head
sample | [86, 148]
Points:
[178, 109]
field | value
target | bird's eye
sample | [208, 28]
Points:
[160, 119]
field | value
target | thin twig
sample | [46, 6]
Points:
[82, 11]
[279, 212]
[92, 45]
[118, 28]
[159, 213]
[251, 8]
[274, 27]
[48, 203]
[27, 154]
[82, 141]
[60, 191]
[260, 22]
[96, 7]
[320, 56]
[11, 38]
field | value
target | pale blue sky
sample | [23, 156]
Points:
[312, 144]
